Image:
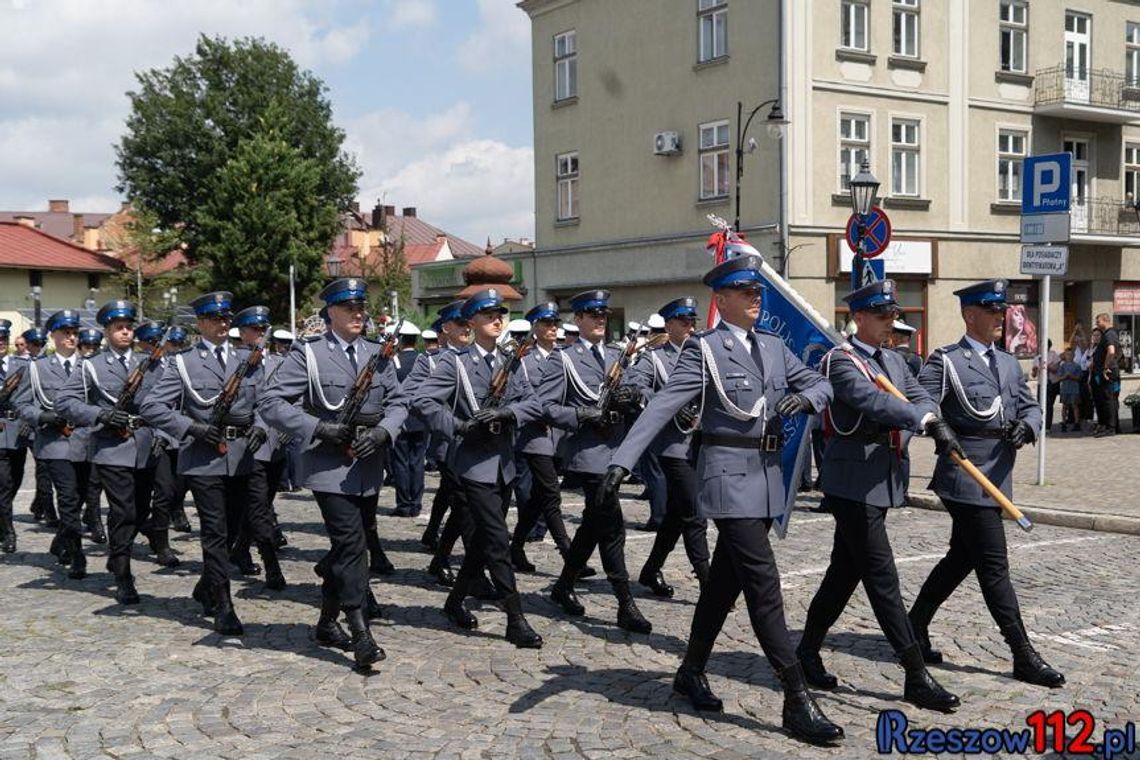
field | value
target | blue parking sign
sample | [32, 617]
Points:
[1045, 184]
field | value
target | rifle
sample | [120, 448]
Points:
[11, 383]
[497, 390]
[230, 390]
[618, 368]
[354, 401]
[134, 382]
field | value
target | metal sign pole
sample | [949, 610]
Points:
[1043, 376]
[292, 301]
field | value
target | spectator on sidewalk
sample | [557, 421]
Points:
[1089, 410]
[1052, 382]
[1105, 376]
[1070, 375]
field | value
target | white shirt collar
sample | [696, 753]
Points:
[738, 332]
[981, 348]
[590, 346]
[343, 343]
[126, 354]
[483, 353]
[211, 347]
[865, 346]
[541, 351]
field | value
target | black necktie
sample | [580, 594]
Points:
[67, 367]
[219, 352]
[599, 357]
[351, 351]
[490, 359]
[123, 362]
[754, 349]
[991, 358]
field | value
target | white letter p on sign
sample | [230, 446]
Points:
[1042, 169]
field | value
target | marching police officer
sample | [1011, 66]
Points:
[59, 444]
[121, 441]
[750, 380]
[13, 444]
[169, 487]
[985, 398]
[865, 473]
[341, 463]
[456, 398]
[90, 340]
[217, 457]
[407, 455]
[673, 449]
[43, 503]
[569, 392]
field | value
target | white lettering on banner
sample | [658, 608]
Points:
[900, 257]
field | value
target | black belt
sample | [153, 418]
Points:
[233, 432]
[773, 442]
[244, 420]
[10, 414]
[363, 423]
[882, 439]
[997, 434]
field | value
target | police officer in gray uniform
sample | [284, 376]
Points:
[341, 463]
[436, 451]
[121, 441]
[454, 399]
[43, 503]
[984, 396]
[673, 449]
[407, 454]
[169, 487]
[59, 445]
[215, 458]
[90, 341]
[865, 472]
[569, 392]
[13, 444]
[749, 380]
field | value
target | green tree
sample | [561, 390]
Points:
[233, 149]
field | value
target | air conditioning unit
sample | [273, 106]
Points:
[667, 143]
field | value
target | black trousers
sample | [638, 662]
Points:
[43, 503]
[10, 460]
[19, 458]
[169, 487]
[258, 520]
[459, 524]
[442, 500]
[861, 551]
[346, 565]
[407, 463]
[94, 493]
[1052, 391]
[215, 497]
[743, 561]
[977, 544]
[680, 517]
[545, 501]
[70, 482]
[129, 500]
[602, 527]
[489, 546]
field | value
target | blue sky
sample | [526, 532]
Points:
[434, 95]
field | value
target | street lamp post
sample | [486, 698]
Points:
[775, 119]
[863, 187]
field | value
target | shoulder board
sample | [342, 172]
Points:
[187, 350]
[766, 332]
[311, 338]
[950, 348]
[703, 333]
[1002, 350]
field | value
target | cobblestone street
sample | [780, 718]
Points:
[81, 676]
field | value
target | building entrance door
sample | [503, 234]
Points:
[1077, 42]
[1079, 194]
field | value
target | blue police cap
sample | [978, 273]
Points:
[113, 310]
[682, 307]
[590, 300]
[5, 327]
[548, 310]
[176, 334]
[149, 332]
[343, 290]
[437, 325]
[62, 319]
[484, 300]
[452, 312]
[252, 316]
[989, 293]
[34, 335]
[878, 296]
[219, 302]
[89, 336]
[739, 272]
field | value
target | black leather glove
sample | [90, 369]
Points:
[489, 416]
[793, 403]
[626, 397]
[611, 482]
[51, 419]
[333, 432]
[205, 432]
[255, 439]
[114, 418]
[590, 415]
[687, 417]
[1019, 433]
[945, 441]
[465, 427]
[369, 442]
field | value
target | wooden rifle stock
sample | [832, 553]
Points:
[134, 382]
[363, 383]
[230, 391]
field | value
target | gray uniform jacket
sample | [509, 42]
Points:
[650, 375]
[325, 467]
[96, 388]
[176, 401]
[37, 394]
[585, 448]
[13, 433]
[482, 457]
[411, 368]
[859, 462]
[992, 455]
[734, 482]
[538, 437]
[276, 444]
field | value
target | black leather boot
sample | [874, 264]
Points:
[93, 519]
[1028, 666]
[430, 539]
[365, 650]
[442, 572]
[920, 687]
[160, 545]
[329, 632]
[60, 548]
[519, 558]
[691, 681]
[243, 561]
[204, 595]
[8, 541]
[519, 631]
[372, 608]
[178, 520]
[654, 580]
[454, 608]
[814, 671]
[563, 595]
[274, 578]
[802, 716]
[226, 621]
[125, 591]
[628, 616]
[78, 569]
[378, 562]
[920, 616]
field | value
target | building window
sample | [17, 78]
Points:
[1131, 171]
[853, 23]
[1132, 54]
[854, 146]
[1011, 154]
[567, 174]
[904, 157]
[1014, 28]
[714, 159]
[565, 65]
[906, 28]
[712, 23]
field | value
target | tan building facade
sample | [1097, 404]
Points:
[945, 99]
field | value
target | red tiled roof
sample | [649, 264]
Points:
[26, 248]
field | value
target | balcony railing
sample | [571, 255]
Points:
[1099, 88]
[1103, 216]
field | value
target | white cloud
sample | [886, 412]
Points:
[502, 37]
[404, 14]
